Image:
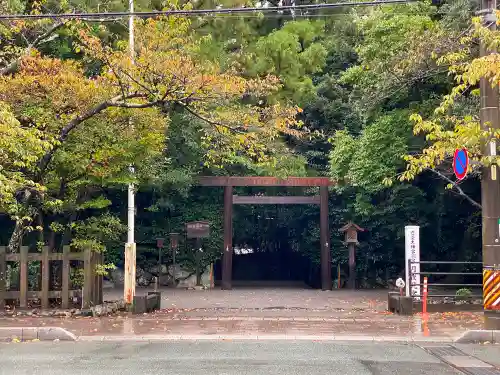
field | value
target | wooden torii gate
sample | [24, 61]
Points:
[229, 199]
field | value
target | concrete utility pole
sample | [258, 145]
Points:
[130, 248]
[490, 187]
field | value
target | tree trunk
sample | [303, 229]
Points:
[66, 237]
[40, 223]
[16, 238]
[198, 276]
[17, 235]
[41, 239]
[51, 243]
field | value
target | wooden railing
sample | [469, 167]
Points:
[91, 292]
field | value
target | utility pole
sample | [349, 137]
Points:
[130, 248]
[490, 187]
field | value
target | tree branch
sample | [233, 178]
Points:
[208, 121]
[456, 186]
[132, 105]
[13, 66]
[114, 102]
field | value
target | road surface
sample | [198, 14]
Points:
[222, 358]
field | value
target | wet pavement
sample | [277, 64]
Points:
[361, 323]
[284, 313]
[265, 298]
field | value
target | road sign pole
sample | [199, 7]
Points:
[490, 189]
[130, 247]
[424, 302]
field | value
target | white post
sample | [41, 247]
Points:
[130, 254]
[412, 252]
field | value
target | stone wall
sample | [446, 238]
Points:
[184, 278]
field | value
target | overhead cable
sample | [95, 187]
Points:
[200, 12]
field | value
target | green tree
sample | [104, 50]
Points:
[68, 108]
[366, 161]
[293, 53]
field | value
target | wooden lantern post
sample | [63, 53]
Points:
[351, 239]
[160, 243]
[174, 244]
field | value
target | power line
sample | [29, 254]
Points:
[255, 15]
[199, 12]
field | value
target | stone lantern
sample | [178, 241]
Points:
[351, 240]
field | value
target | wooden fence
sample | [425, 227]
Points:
[91, 292]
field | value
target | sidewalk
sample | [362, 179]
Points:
[266, 313]
[265, 298]
[438, 326]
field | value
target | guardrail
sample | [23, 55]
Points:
[456, 286]
[418, 302]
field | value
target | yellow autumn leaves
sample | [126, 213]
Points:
[59, 98]
[449, 129]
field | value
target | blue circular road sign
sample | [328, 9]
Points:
[460, 163]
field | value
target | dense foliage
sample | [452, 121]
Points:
[344, 93]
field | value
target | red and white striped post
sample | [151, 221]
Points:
[424, 302]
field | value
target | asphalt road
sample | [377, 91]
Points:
[218, 358]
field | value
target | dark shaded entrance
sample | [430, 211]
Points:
[229, 199]
[268, 269]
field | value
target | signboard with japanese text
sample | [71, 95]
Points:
[412, 252]
[198, 229]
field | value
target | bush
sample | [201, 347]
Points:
[463, 294]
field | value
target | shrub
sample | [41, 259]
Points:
[463, 294]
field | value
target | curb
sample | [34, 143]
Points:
[479, 336]
[270, 319]
[360, 338]
[35, 333]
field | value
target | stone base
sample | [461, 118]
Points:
[479, 336]
[447, 307]
[400, 304]
[492, 320]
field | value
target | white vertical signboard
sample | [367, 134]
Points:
[412, 252]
